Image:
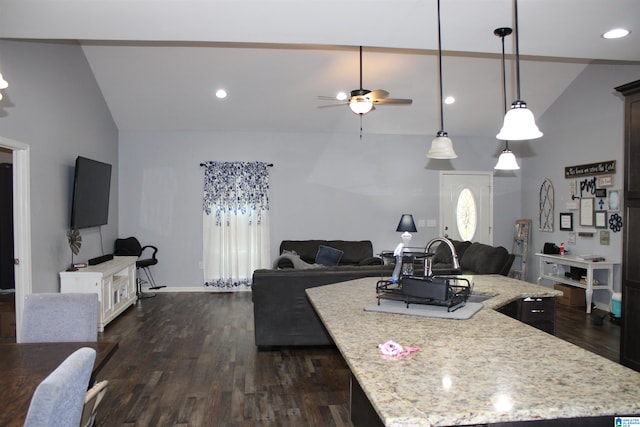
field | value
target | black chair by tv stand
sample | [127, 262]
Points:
[132, 247]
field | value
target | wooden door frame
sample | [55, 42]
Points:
[484, 173]
[21, 223]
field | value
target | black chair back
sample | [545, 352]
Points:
[127, 247]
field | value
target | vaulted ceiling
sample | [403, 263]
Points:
[159, 62]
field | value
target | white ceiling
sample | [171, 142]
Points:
[159, 62]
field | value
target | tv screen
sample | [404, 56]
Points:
[91, 185]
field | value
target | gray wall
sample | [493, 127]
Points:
[53, 104]
[585, 125]
[332, 186]
[322, 185]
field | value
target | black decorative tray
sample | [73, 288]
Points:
[451, 292]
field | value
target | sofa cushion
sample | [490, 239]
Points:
[484, 259]
[328, 256]
[306, 249]
[442, 255]
[354, 250]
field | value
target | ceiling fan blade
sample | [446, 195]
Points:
[396, 101]
[378, 93]
[328, 98]
[333, 105]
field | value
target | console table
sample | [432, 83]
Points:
[574, 261]
[114, 281]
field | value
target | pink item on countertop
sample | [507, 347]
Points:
[393, 349]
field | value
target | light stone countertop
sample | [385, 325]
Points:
[487, 369]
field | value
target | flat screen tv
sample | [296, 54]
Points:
[91, 186]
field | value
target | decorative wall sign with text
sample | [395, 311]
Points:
[601, 168]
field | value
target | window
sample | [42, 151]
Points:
[467, 214]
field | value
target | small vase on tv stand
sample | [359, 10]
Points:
[75, 241]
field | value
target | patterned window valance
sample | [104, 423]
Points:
[235, 187]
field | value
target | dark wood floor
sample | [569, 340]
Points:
[189, 359]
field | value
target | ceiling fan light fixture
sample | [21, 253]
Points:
[519, 124]
[360, 104]
[441, 147]
[507, 161]
[3, 83]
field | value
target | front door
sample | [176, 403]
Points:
[466, 206]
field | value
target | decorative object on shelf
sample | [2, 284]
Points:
[546, 205]
[615, 222]
[407, 225]
[441, 146]
[586, 211]
[75, 242]
[507, 160]
[585, 234]
[519, 123]
[566, 221]
[601, 168]
[600, 219]
[604, 237]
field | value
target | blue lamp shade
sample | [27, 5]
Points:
[406, 223]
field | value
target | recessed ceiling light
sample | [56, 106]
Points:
[449, 100]
[341, 96]
[221, 93]
[616, 33]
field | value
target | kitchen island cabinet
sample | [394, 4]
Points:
[490, 369]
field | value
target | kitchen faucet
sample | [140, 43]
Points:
[452, 249]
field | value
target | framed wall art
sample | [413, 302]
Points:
[614, 200]
[586, 211]
[600, 218]
[546, 205]
[566, 221]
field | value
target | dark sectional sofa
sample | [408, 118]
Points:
[474, 258]
[283, 316]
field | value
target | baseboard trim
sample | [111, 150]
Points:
[169, 289]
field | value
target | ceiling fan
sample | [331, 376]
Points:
[363, 100]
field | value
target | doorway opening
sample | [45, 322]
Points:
[466, 206]
[21, 216]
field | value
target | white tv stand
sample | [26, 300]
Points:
[114, 281]
[574, 261]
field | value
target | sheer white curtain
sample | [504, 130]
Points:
[235, 219]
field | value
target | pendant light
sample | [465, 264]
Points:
[441, 146]
[507, 160]
[519, 123]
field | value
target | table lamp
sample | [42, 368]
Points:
[406, 225]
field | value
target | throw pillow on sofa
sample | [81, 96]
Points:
[328, 256]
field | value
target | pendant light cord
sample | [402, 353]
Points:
[361, 68]
[515, 8]
[440, 70]
[504, 84]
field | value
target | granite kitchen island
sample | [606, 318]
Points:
[489, 369]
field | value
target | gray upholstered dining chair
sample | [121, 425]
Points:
[59, 399]
[59, 317]
[91, 401]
